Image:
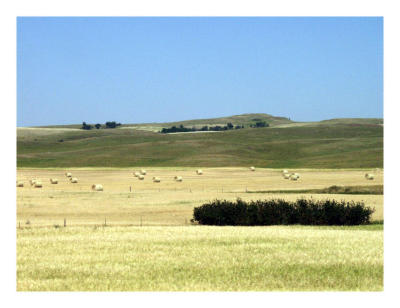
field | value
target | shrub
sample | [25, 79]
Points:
[282, 212]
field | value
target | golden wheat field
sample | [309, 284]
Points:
[136, 235]
[126, 200]
[200, 258]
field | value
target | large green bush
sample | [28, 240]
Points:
[282, 212]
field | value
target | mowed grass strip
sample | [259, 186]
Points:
[200, 258]
[347, 190]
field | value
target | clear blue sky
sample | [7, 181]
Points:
[135, 70]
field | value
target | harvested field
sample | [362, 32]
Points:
[137, 236]
[126, 201]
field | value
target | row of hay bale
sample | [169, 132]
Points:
[38, 184]
[155, 179]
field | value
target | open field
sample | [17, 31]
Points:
[168, 202]
[200, 258]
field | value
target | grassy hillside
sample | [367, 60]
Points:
[243, 119]
[327, 145]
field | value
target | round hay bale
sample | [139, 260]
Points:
[252, 168]
[286, 176]
[294, 177]
[32, 182]
[284, 171]
[156, 180]
[20, 184]
[199, 171]
[68, 174]
[178, 179]
[136, 174]
[38, 184]
[369, 176]
[143, 172]
[97, 187]
[74, 180]
[141, 177]
[53, 181]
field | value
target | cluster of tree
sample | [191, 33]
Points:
[112, 124]
[259, 124]
[85, 126]
[181, 128]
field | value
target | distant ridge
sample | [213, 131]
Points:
[241, 119]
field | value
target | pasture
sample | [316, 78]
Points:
[136, 235]
[323, 146]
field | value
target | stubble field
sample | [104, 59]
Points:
[148, 242]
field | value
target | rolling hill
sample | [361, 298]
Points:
[243, 119]
[337, 143]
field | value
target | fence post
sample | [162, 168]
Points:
[130, 188]
[65, 222]
[105, 221]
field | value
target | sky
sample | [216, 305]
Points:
[145, 69]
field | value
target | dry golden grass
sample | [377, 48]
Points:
[200, 258]
[168, 202]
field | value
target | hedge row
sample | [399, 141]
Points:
[282, 212]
